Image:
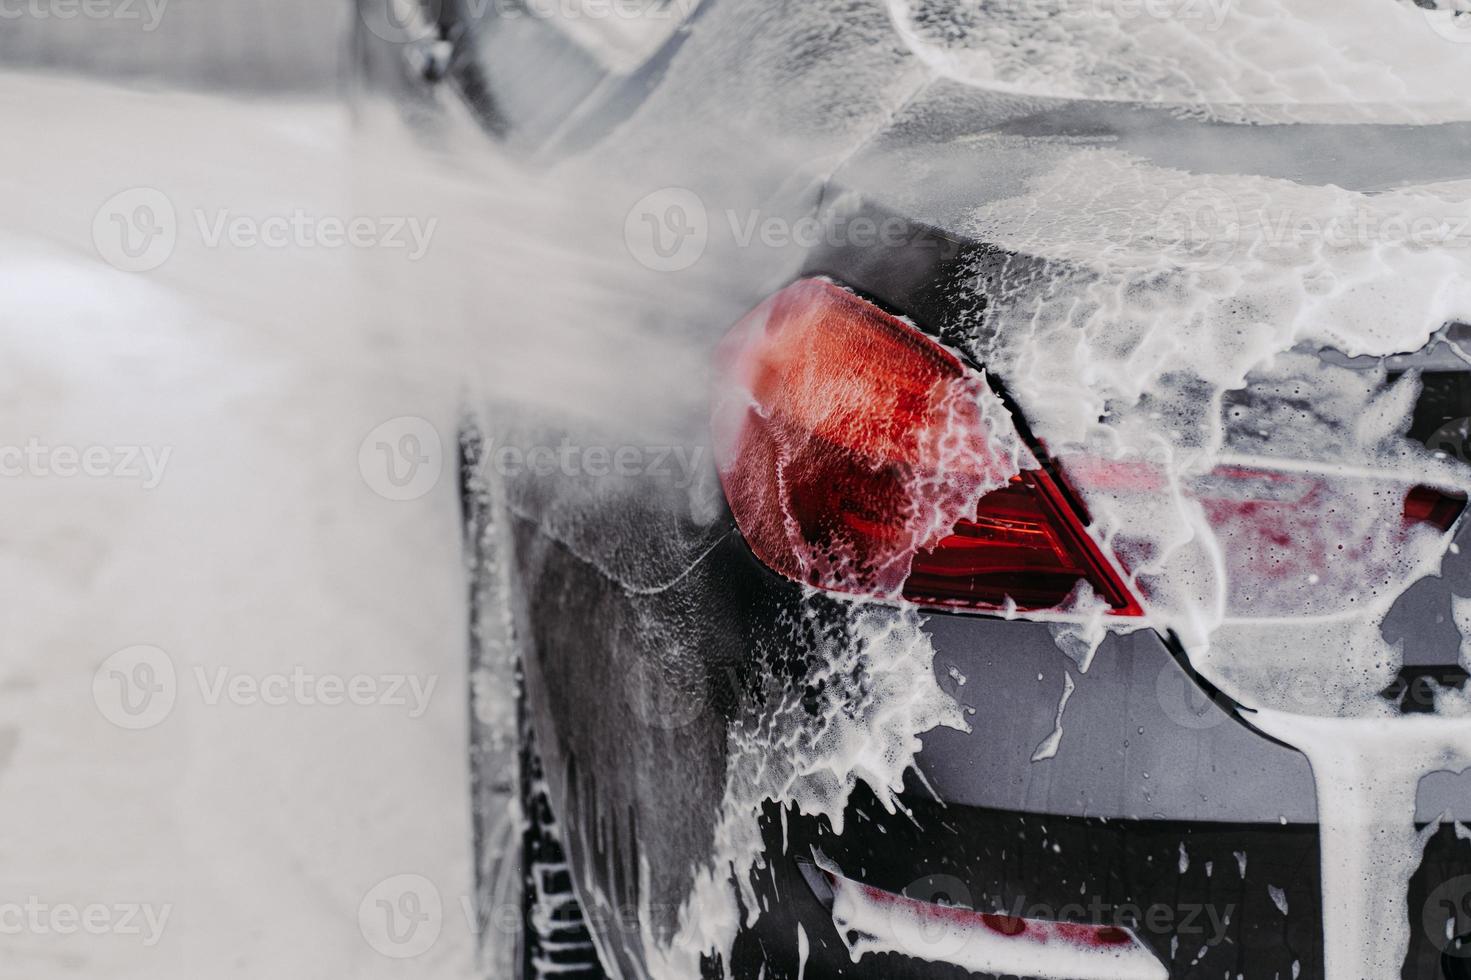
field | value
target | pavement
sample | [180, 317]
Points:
[232, 693]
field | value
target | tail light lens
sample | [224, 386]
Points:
[861, 457]
[1294, 540]
[1432, 506]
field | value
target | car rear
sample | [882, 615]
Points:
[1104, 781]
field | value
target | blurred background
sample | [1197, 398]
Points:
[277, 46]
[185, 789]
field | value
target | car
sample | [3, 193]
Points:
[1062, 571]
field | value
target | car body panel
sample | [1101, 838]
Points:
[649, 627]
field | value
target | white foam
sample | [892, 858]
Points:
[1378, 59]
[876, 673]
[1147, 326]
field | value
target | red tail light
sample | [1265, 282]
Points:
[861, 457]
[1429, 505]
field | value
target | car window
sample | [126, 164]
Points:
[621, 35]
[541, 60]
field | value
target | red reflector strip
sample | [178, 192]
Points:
[1438, 508]
[1025, 543]
[1296, 538]
[872, 921]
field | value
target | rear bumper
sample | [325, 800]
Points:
[1161, 811]
[1141, 739]
[1207, 899]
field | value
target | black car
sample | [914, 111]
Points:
[952, 647]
